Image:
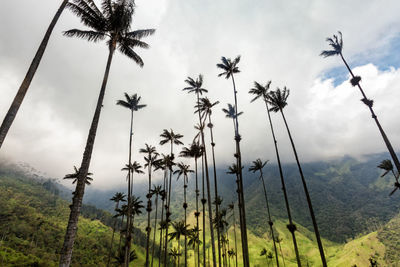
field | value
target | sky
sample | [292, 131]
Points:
[277, 40]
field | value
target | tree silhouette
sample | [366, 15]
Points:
[114, 23]
[74, 177]
[258, 165]
[278, 101]
[336, 42]
[387, 166]
[158, 192]
[194, 241]
[117, 198]
[180, 230]
[23, 89]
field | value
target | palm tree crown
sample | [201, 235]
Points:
[259, 90]
[336, 43]
[195, 85]
[74, 176]
[258, 165]
[131, 102]
[231, 112]
[277, 99]
[183, 169]
[170, 136]
[230, 67]
[113, 22]
[118, 197]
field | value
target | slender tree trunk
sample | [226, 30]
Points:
[120, 234]
[314, 221]
[72, 228]
[185, 207]
[112, 237]
[385, 138]
[234, 234]
[283, 257]
[215, 186]
[197, 210]
[203, 202]
[208, 188]
[242, 209]
[269, 219]
[162, 216]
[168, 213]
[148, 216]
[291, 224]
[179, 250]
[154, 234]
[19, 97]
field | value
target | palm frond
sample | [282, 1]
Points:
[124, 49]
[139, 34]
[92, 36]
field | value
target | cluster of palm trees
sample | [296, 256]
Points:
[112, 22]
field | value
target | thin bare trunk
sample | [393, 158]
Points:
[154, 234]
[19, 97]
[112, 237]
[185, 207]
[148, 216]
[197, 210]
[168, 213]
[163, 206]
[72, 228]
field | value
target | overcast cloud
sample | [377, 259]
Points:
[278, 41]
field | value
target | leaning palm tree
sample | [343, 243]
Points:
[117, 198]
[195, 86]
[158, 191]
[149, 159]
[260, 91]
[194, 151]
[278, 101]
[23, 89]
[184, 170]
[114, 23]
[337, 49]
[172, 138]
[258, 165]
[180, 228]
[131, 103]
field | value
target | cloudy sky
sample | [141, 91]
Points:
[277, 40]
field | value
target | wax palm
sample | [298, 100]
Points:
[157, 191]
[194, 242]
[258, 166]
[261, 91]
[387, 166]
[278, 101]
[119, 259]
[231, 207]
[150, 158]
[184, 170]
[180, 228]
[117, 198]
[112, 23]
[228, 66]
[23, 89]
[74, 176]
[337, 49]
[195, 85]
[174, 253]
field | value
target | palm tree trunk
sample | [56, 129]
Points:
[120, 235]
[179, 250]
[19, 97]
[72, 228]
[385, 138]
[197, 210]
[269, 219]
[215, 186]
[314, 221]
[283, 258]
[162, 216]
[130, 183]
[203, 202]
[185, 207]
[208, 188]
[112, 238]
[168, 214]
[154, 234]
[148, 217]
[242, 209]
[234, 234]
[291, 224]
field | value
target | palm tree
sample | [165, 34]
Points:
[113, 22]
[169, 137]
[277, 100]
[195, 86]
[194, 151]
[387, 166]
[337, 49]
[279, 241]
[258, 165]
[131, 103]
[184, 170]
[117, 198]
[267, 254]
[19, 97]
[194, 241]
[157, 191]
[262, 91]
[174, 253]
[149, 159]
[232, 208]
[74, 177]
[180, 228]
[119, 259]
[231, 254]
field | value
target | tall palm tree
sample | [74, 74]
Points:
[117, 198]
[23, 89]
[174, 253]
[114, 23]
[184, 170]
[195, 86]
[231, 207]
[337, 49]
[260, 91]
[180, 230]
[172, 138]
[149, 159]
[229, 68]
[74, 177]
[131, 103]
[258, 165]
[194, 151]
[279, 241]
[194, 241]
[157, 191]
[278, 101]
